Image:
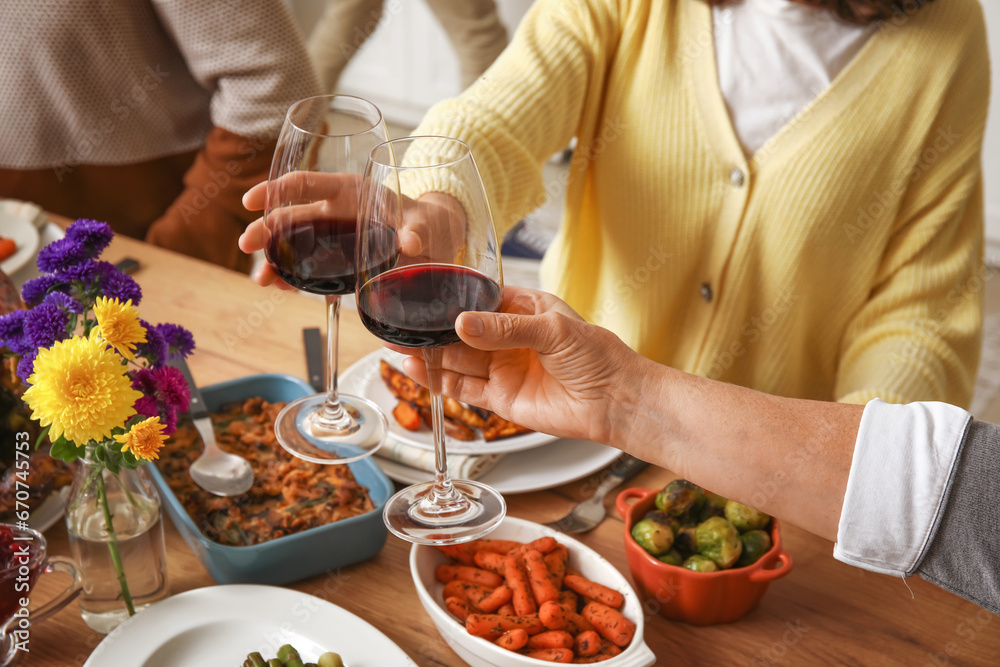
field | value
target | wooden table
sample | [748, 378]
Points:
[823, 613]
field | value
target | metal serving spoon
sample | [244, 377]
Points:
[215, 471]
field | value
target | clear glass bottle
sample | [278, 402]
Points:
[133, 506]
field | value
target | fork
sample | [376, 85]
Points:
[587, 514]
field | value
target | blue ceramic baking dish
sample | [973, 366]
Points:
[292, 557]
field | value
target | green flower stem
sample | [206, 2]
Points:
[116, 558]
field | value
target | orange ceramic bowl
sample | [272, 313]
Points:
[698, 598]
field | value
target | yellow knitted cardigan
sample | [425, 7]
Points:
[842, 261]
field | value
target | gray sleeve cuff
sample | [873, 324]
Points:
[902, 462]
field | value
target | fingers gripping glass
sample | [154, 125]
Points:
[310, 220]
[429, 186]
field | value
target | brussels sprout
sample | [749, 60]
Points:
[744, 517]
[686, 540]
[756, 543]
[709, 510]
[719, 540]
[700, 563]
[672, 557]
[680, 497]
[715, 500]
[656, 538]
[664, 518]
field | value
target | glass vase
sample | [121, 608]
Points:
[124, 568]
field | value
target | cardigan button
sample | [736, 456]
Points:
[706, 292]
[736, 177]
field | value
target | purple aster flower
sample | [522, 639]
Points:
[12, 332]
[33, 291]
[26, 365]
[61, 254]
[179, 340]
[91, 234]
[155, 349]
[147, 406]
[119, 286]
[84, 272]
[169, 420]
[173, 388]
[45, 324]
[64, 301]
[143, 380]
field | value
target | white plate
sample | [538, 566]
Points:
[24, 235]
[561, 462]
[50, 511]
[49, 232]
[218, 626]
[363, 379]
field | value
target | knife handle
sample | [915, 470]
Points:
[197, 408]
[314, 358]
[627, 466]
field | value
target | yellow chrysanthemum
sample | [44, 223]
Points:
[79, 387]
[144, 439]
[118, 324]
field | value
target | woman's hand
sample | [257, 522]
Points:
[539, 364]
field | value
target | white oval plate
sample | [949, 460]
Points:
[559, 463]
[24, 235]
[363, 379]
[220, 625]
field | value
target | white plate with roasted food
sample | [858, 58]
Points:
[379, 378]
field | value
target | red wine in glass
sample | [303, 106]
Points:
[417, 305]
[318, 255]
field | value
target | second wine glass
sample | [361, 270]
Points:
[310, 220]
[424, 196]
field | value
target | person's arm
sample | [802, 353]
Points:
[918, 336]
[251, 57]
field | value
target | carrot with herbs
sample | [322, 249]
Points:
[501, 547]
[463, 553]
[543, 544]
[506, 610]
[539, 578]
[474, 594]
[552, 615]
[556, 561]
[575, 623]
[484, 624]
[458, 608]
[569, 600]
[587, 643]
[474, 575]
[500, 596]
[551, 639]
[7, 248]
[489, 560]
[609, 623]
[517, 579]
[513, 640]
[563, 655]
[594, 591]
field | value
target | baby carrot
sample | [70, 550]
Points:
[513, 640]
[608, 649]
[587, 643]
[610, 623]
[556, 561]
[458, 607]
[463, 590]
[575, 624]
[475, 575]
[460, 552]
[552, 615]
[594, 590]
[489, 560]
[568, 599]
[539, 578]
[551, 639]
[499, 597]
[518, 581]
[564, 655]
[484, 624]
[506, 610]
[543, 544]
[495, 546]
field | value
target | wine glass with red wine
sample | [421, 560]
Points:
[431, 184]
[310, 220]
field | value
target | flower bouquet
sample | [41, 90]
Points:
[100, 388]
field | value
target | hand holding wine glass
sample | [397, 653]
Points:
[308, 234]
[415, 302]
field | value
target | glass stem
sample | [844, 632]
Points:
[333, 413]
[116, 559]
[444, 490]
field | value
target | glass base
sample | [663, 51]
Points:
[475, 510]
[302, 431]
